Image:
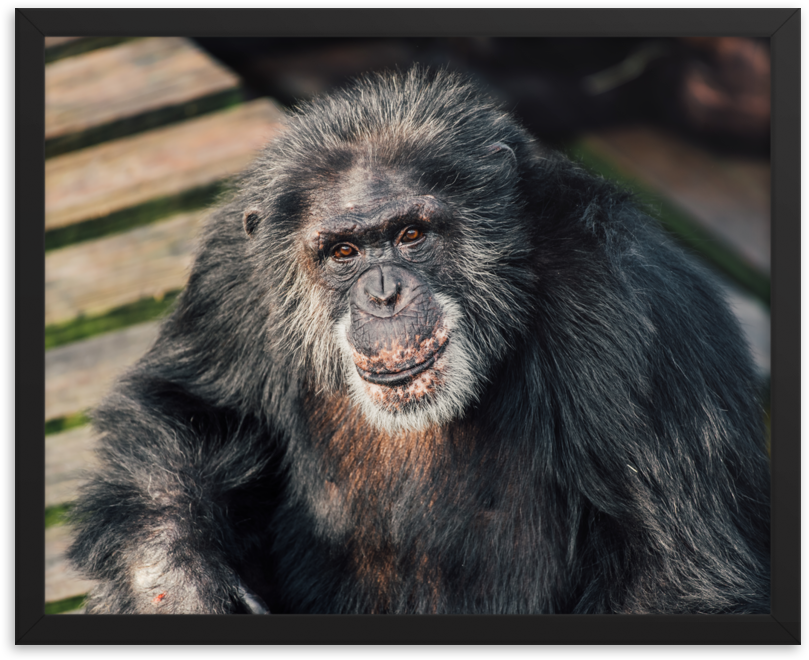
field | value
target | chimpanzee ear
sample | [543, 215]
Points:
[503, 149]
[251, 220]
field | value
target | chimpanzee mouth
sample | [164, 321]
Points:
[400, 377]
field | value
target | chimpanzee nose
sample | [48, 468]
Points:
[381, 287]
[392, 308]
[385, 289]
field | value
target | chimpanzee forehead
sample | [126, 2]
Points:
[361, 190]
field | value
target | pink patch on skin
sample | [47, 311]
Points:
[395, 397]
[399, 357]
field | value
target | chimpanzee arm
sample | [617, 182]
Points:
[163, 524]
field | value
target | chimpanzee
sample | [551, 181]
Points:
[425, 365]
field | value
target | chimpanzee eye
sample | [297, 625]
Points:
[344, 251]
[411, 235]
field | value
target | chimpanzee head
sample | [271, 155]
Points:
[393, 229]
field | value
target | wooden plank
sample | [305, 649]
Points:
[94, 277]
[50, 42]
[111, 84]
[57, 48]
[754, 317]
[99, 180]
[78, 375]
[68, 456]
[728, 195]
[61, 581]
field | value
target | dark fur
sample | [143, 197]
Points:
[613, 461]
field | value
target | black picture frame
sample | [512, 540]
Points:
[781, 626]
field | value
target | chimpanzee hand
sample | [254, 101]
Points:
[167, 586]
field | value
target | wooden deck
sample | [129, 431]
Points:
[112, 114]
[137, 128]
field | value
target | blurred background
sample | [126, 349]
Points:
[141, 136]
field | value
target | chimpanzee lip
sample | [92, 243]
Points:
[400, 377]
